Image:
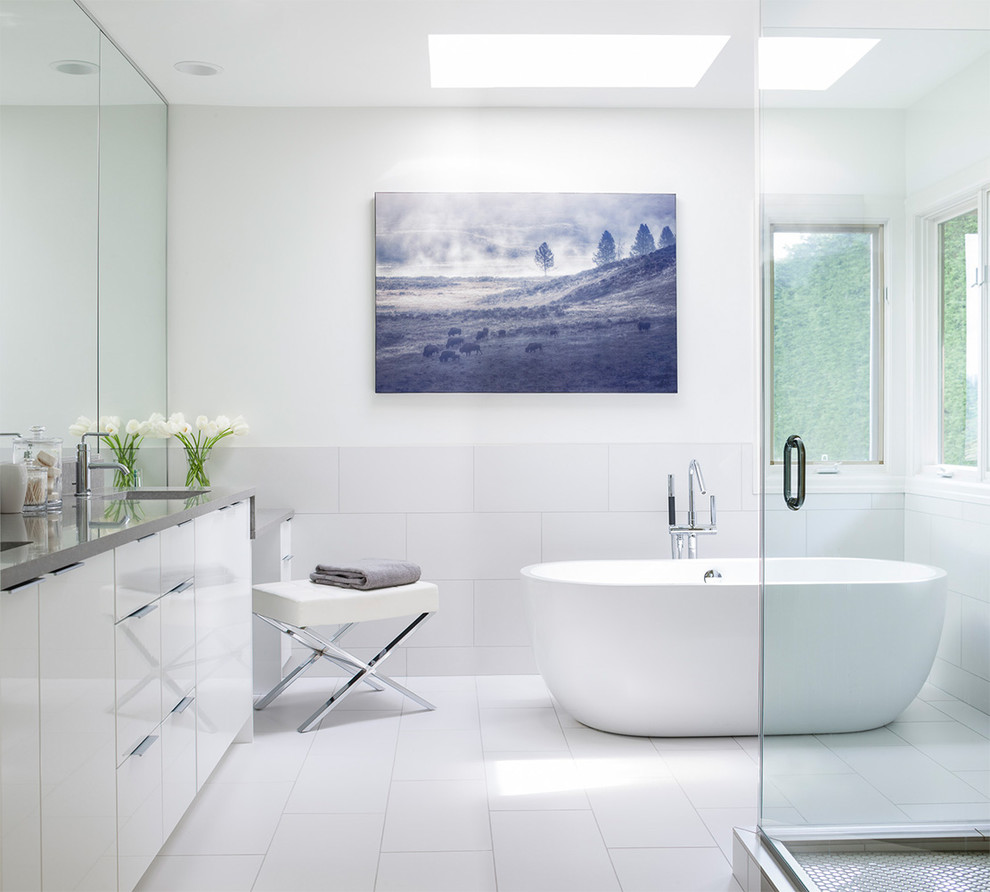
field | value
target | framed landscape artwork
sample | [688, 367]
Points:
[525, 293]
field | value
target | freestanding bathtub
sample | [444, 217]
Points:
[653, 648]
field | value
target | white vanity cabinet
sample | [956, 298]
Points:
[223, 632]
[20, 743]
[178, 727]
[77, 726]
[104, 665]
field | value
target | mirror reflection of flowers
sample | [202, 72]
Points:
[123, 440]
[199, 443]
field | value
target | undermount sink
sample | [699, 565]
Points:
[4, 545]
[152, 492]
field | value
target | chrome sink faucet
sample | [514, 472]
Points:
[684, 538]
[84, 466]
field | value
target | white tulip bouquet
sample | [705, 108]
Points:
[199, 443]
[123, 440]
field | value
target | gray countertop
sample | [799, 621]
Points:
[87, 527]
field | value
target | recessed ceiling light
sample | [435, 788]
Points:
[809, 63]
[571, 60]
[75, 66]
[199, 69]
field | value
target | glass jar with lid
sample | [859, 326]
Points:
[39, 451]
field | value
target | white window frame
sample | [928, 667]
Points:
[928, 427]
[879, 335]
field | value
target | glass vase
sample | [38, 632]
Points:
[196, 474]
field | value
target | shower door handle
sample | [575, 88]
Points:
[794, 502]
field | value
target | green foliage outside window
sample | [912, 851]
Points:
[823, 322]
[959, 386]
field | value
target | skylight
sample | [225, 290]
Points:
[571, 60]
[809, 63]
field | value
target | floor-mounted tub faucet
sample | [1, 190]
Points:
[685, 538]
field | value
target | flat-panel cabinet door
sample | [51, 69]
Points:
[20, 779]
[178, 553]
[139, 579]
[138, 640]
[178, 762]
[223, 632]
[78, 741]
[139, 810]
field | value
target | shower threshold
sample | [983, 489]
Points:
[875, 861]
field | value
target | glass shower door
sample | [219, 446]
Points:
[875, 553]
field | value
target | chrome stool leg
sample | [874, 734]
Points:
[363, 673]
[369, 669]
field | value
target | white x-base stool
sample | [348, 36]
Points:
[295, 607]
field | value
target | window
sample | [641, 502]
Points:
[826, 305]
[959, 289]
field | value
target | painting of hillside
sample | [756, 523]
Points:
[525, 293]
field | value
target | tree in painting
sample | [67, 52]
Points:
[543, 257]
[606, 250]
[644, 243]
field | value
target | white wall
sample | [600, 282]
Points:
[271, 314]
[271, 271]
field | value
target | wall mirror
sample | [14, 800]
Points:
[82, 227]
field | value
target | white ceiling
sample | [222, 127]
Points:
[374, 52]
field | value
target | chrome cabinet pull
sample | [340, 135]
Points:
[68, 569]
[142, 612]
[181, 587]
[794, 442]
[144, 745]
[182, 705]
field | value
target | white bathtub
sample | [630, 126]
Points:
[652, 649]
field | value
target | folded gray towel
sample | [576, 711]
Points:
[367, 574]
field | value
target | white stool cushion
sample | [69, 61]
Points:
[303, 603]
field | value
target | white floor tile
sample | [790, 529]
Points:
[525, 729]
[920, 711]
[438, 755]
[716, 778]
[952, 745]
[534, 781]
[648, 814]
[637, 755]
[875, 737]
[230, 819]
[417, 798]
[342, 785]
[559, 851]
[673, 870]
[455, 711]
[966, 715]
[905, 775]
[268, 758]
[844, 799]
[437, 816]
[512, 690]
[332, 853]
[200, 873]
[721, 821]
[667, 744]
[436, 872]
[799, 754]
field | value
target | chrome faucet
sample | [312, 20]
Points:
[684, 538]
[84, 466]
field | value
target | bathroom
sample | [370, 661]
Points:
[273, 168]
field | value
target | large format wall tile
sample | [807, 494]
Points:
[638, 476]
[541, 478]
[473, 546]
[406, 479]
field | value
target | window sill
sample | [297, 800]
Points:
[850, 478]
[953, 488]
